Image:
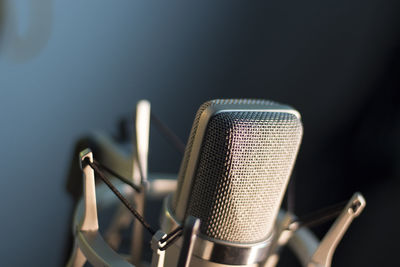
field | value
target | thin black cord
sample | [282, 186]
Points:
[120, 196]
[170, 135]
[110, 171]
[169, 238]
[180, 228]
[320, 216]
[171, 241]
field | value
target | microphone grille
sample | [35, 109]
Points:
[193, 132]
[188, 149]
[237, 196]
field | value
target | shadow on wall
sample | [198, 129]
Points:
[29, 26]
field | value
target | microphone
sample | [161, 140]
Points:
[223, 209]
[235, 170]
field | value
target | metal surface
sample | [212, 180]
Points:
[91, 246]
[187, 172]
[230, 253]
[162, 186]
[238, 166]
[89, 220]
[139, 175]
[303, 243]
[77, 259]
[113, 155]
[158, 255]
[218, 251]
[190, 231]
[322, 256]
[97, 251]
[141, 140]
[88, 244]
[282, 235]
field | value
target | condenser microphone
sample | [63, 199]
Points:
[233, 177]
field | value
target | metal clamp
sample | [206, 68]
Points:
[322, 256]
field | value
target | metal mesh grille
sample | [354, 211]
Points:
[188, 149]
[237, 196]
[193, 131]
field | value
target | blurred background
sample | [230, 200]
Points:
[71, 67]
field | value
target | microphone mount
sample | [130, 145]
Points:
[90, 246]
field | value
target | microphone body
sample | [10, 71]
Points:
[233, 177]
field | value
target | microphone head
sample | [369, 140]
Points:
[236, 168]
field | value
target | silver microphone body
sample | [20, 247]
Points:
[233, 177]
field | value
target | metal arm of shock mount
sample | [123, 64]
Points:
[322, 256]
[89, 244]
[305, 245]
